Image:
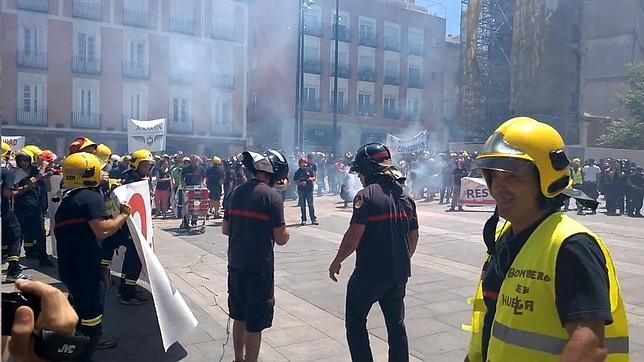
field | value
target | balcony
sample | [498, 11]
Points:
[136, 70]
[392, 45]
[365, 109]
[223, 31]
[391, 79]
[391, 113]
[86, 9]
[26, 58]
[182, 25]
[312, 66]
[311, 105]
[41, 6]
[86, 120]
[343, 107]
[415, 82]
[344, 33]
[344, 70]
[313, 28]
[223, 80]
[368, 38]
[367, 74]
[135, 17]
[416, 49]
[34, 117]
[181, 75]
[177, 126]
[83, 65]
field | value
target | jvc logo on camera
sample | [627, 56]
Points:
[67, 348]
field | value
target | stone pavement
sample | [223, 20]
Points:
[308, 323]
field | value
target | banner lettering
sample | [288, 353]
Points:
[407, 145]
[16, 142]
[474, 192]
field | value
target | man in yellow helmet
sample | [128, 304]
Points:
[214, 182]
[548, 290]
[81, 226]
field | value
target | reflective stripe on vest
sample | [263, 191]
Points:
[548, 344]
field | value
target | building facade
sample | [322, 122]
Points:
[391, 72]
[84, 67]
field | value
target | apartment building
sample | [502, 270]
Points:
[84, 67]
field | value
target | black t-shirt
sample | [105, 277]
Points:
[214, 177]
[164, 185]
[303, 174]
[388, 216]
[313, 166]
[459, 173]
[581, 279]
[254, 210]
[636, 180]
[192, 175]
[29, 201]
[79, 251]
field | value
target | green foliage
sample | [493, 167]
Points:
[633, 100]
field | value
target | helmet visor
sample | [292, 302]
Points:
[496, 144]
[503, 164]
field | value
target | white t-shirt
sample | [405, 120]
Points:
[590, 173]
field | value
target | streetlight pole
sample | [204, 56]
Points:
[301, 80]
[296, 128]
[335, 81]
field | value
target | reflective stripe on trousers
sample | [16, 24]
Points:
[548, 344]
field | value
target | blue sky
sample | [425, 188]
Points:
[451, 9]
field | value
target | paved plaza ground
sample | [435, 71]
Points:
[308, 323]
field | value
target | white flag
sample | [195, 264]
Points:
[146, 134]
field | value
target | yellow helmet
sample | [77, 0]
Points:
[79, 145]
[103, 153]
[25, 152]
[140, 155]
[216, 160]
[81, 169]
[523, 138]
[35, 150]
[6, 150]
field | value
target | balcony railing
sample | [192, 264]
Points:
[311, 105]
[177, 126]
[343, 107]
[35, 117]
[31, 59]
[344, 70]
[313, 66]
[392, 79]
[34, 5]
[86, 9]
[392, 45]
[313, 28]
[136, 70]
[367, 74]
[181, 75]
[344, 33]
[223, 31]
[368, 38]
[415, 82]
[182, 25]
[136, 17]
[83, 65]
[391, 113]
[86, 120]
[416, 49]
[223, 80]
[365, 109]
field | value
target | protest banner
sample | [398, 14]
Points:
[16, 142]
[407, 145]
[175, 318]
[474, 192]
[150, 135]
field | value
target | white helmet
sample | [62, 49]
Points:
[115, 158]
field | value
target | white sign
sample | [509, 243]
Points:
[52, 208]
[146, 134]
[474, 192]
[407, 145]
[175, 318]
[16, 142]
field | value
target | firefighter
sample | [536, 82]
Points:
[83, 144]
[254, 222]
[81, 224]
[384, 233]
[548, 288]
[28, 205]
[214, 181]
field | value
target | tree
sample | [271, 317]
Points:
[629, 133]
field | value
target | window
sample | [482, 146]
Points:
[182, 18]
[223, 115]
[134, 101]
[309, 94]
[32, 45]
[413, 105]
[32, 98]
[223, 13]
[86, 103]
[179, 110]
[181, 61]
[389, 104]
[364, 103]
[136, 13]
[86, 47]
[367, 31]
[392, 36]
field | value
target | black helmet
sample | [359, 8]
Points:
[271, 162]
[280, 169]
[370, 157]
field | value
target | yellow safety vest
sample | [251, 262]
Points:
[577, 176]
[526, 325]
